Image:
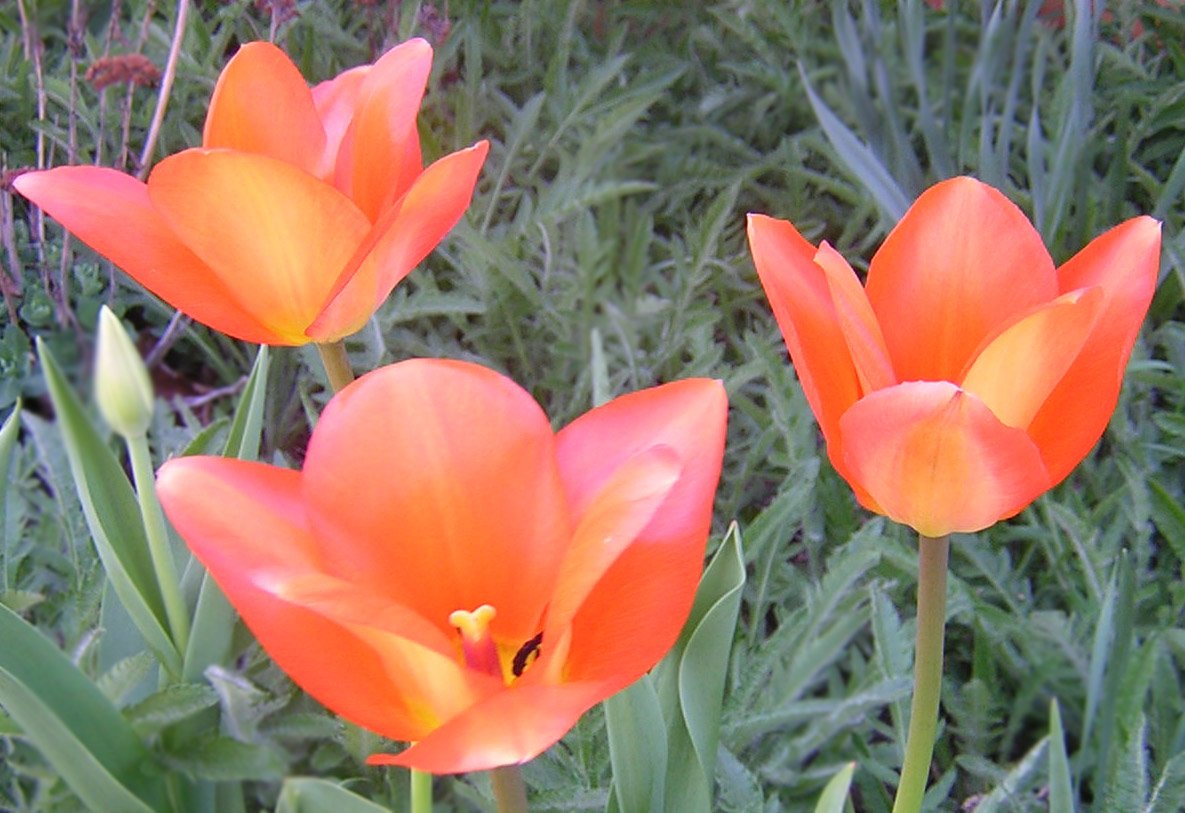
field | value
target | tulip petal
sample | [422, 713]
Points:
[405, 234]
[610, 524]
[688, 416]
[1019, 368]
[802, 303]
[1124, 263]
[507, 728]
[245, 522]
[963, 261]
[262, 105]
[935, 457]
[111, 213]
[863, 335]
[276, 236]
[379, 156]
[336, 100]
[452, 499]
[634, 612]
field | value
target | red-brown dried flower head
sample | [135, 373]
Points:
[116, 70]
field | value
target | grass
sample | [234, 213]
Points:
[628, 140]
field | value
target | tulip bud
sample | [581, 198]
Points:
[121, 379]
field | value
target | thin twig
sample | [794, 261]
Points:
[166, 87]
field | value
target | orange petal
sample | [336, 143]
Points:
[417, 656]
[111, 213]
[380, 154]
[1124, 263]
[963, 261]
[507, 728]
[276, 236]
[801, 299]
[336, 100]
[262, 105]
[935, 457]
[404, 235]
[434, 483]
[857, 321]
[611, 523]
[688, 416]
[633, 613]
[1016, 371]
[246, 523]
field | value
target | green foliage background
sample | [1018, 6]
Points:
[604, 252]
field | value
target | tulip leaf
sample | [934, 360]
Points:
[112, 515]
[690, 680]
[8, 435]
[860, 161]
[835, 795]
[76, 728]
[1061, 790]
[214, 617]
[304, 794]
[637, 747]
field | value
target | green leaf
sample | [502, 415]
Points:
[73, 724]
[8, 436]
[112, 514]
[303, 794]
[1169, 794]
[835, 795]
[224, 759]
[1168, 515]
[170, 705]
[637, 747]
[690, 680]
[1061, 791]
[247, 427]
[1127, 783]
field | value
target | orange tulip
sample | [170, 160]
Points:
[969, 375]
[447, 570]
[300, 212]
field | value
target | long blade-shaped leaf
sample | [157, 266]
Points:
[73, 724]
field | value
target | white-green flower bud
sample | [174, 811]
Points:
[122, 386]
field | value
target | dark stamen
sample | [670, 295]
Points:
[524, 653]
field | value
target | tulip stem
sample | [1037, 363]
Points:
[337, 364]
[933, 554]
[421, 791]
[509, 791]
[158, 541]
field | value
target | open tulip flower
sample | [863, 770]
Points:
[300, 212]
[449, 571]
[969, 375]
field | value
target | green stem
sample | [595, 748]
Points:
[421, 792]
[158, 541]
[927, 673]
[337, 364]
[509, 791]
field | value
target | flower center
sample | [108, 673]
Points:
[483, 654]
[476, 642]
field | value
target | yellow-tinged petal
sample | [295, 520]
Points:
[1124, 263]
[1019, 368]
[450, 500]
[245, 522]
[865, 342]
[507, 728]
[935, 457]
[111, 212]
[276, 236]
[963, 261]
[802, 303]
[262, 105]
[403, 236]
[379, 156]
